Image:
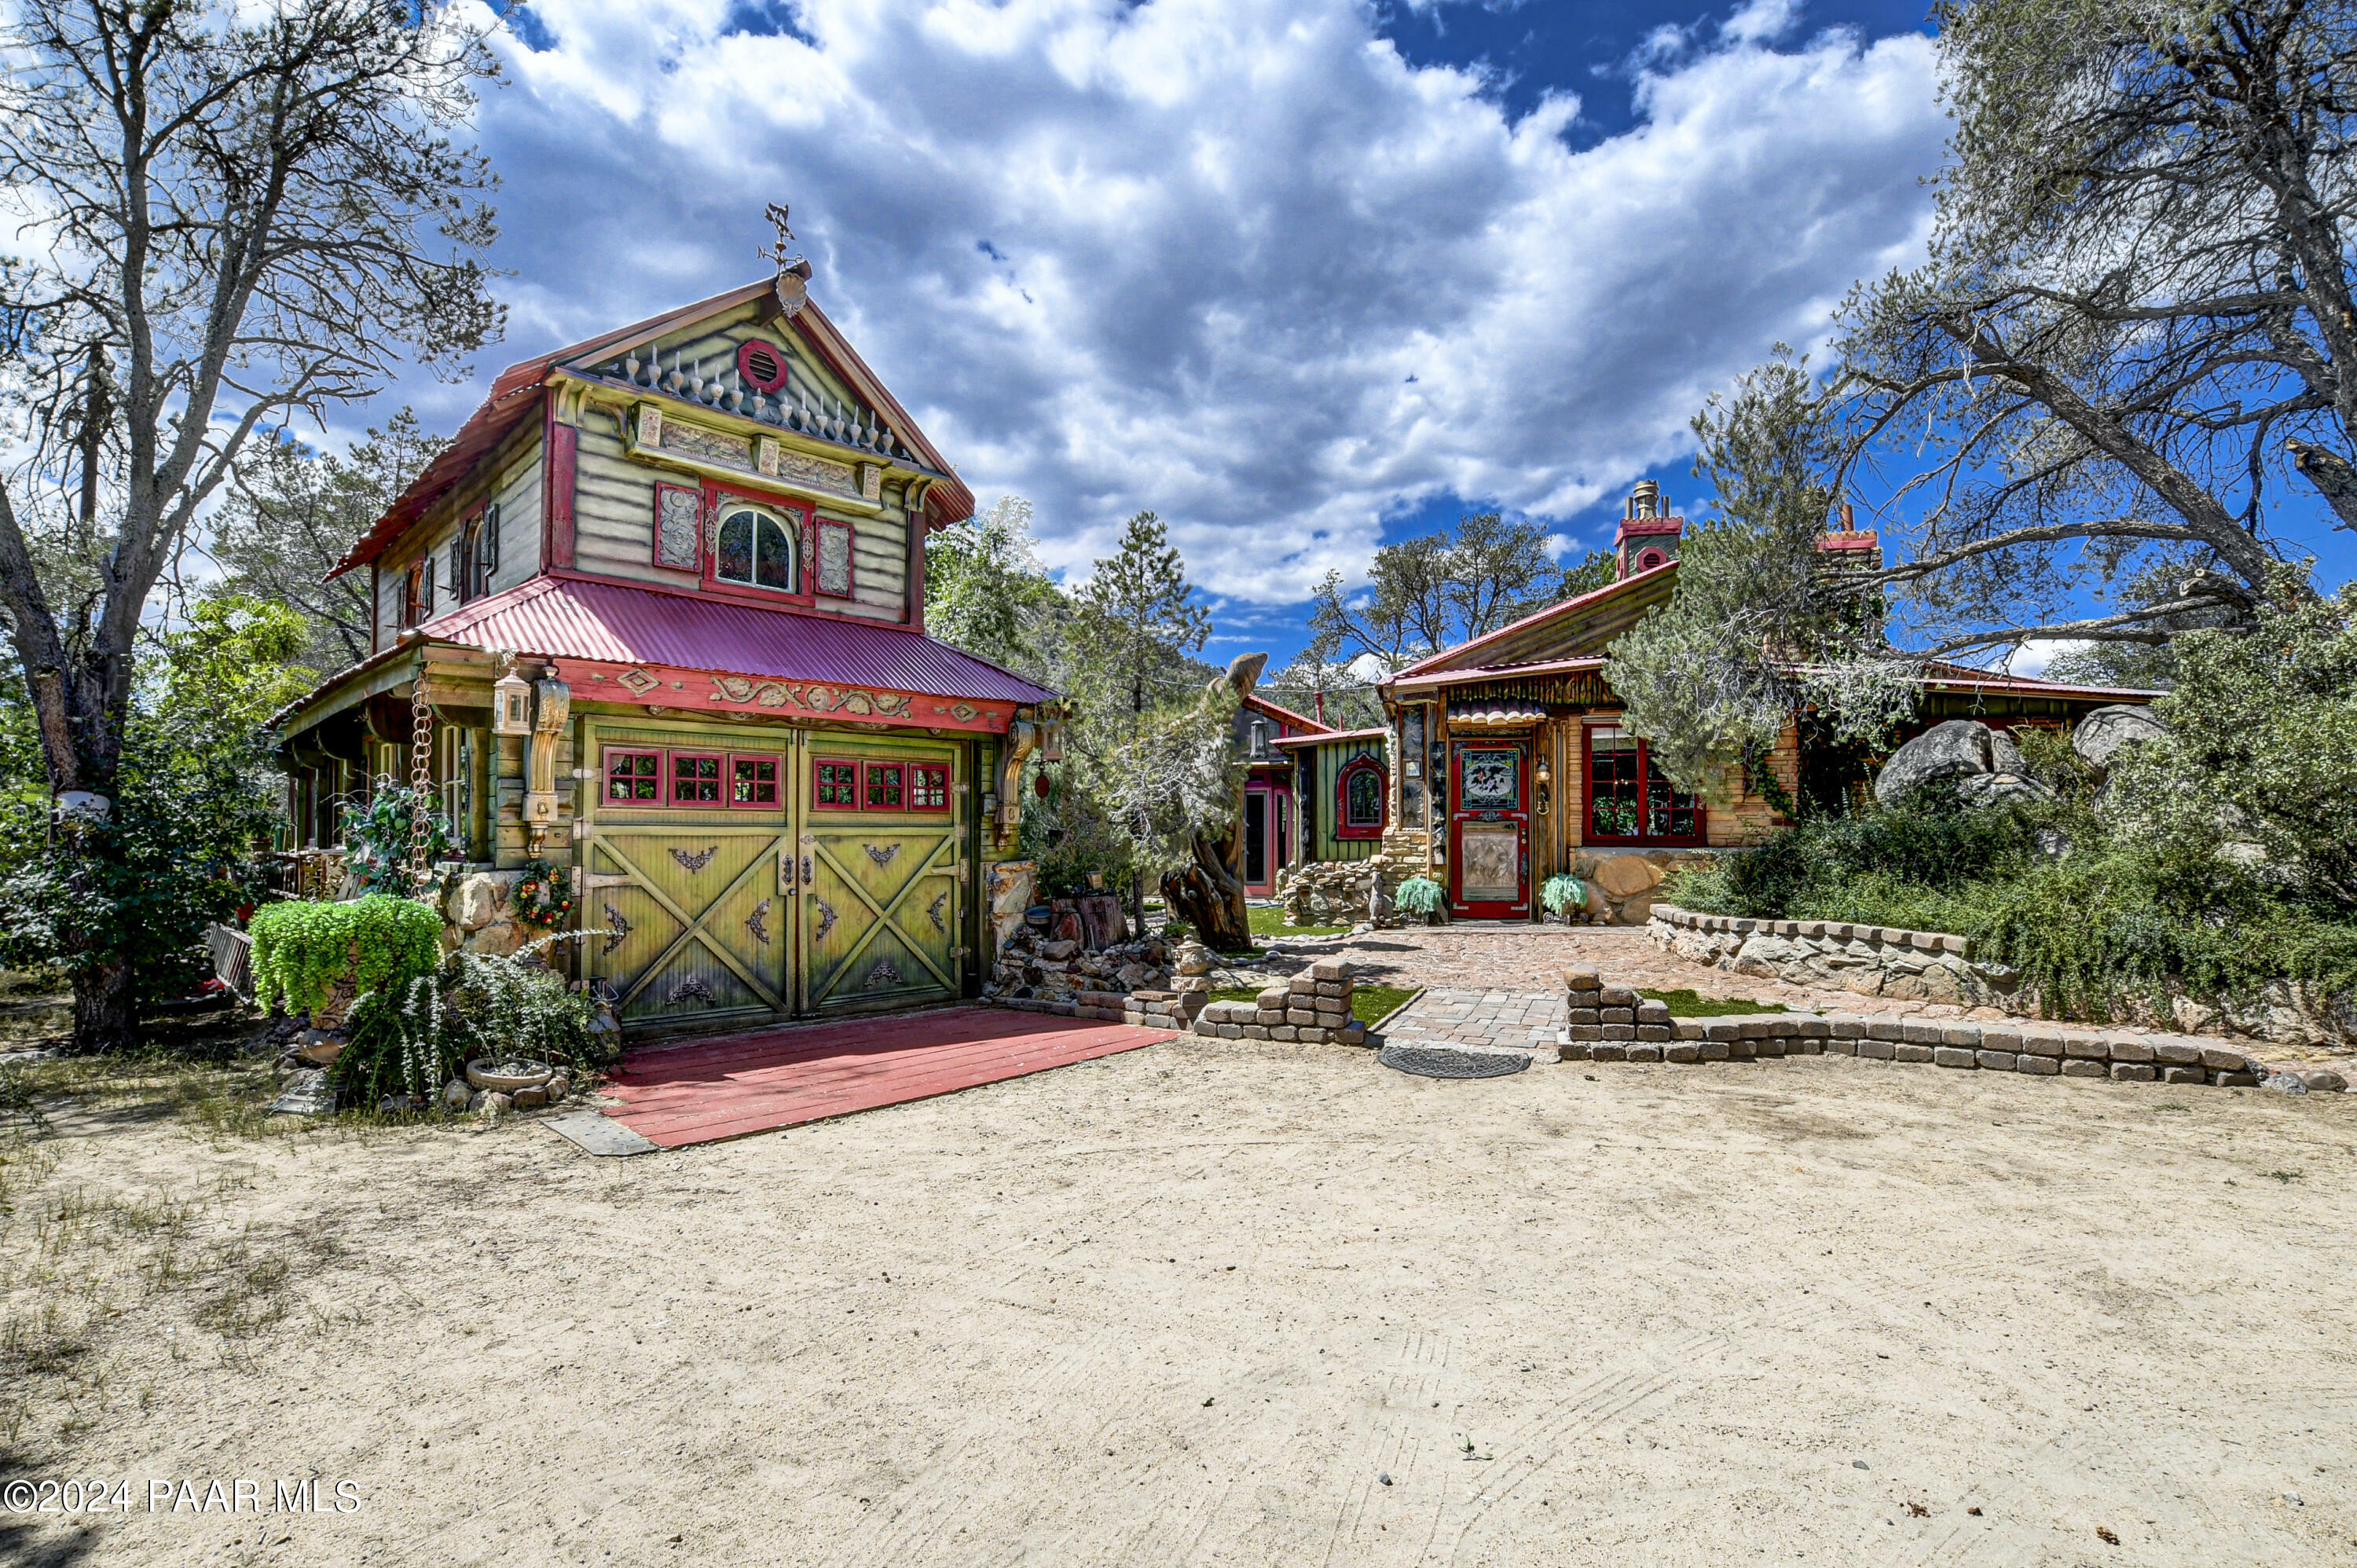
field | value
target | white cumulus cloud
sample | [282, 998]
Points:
[1234, 260]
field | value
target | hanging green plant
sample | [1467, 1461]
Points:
[541, 899]
[302, 948]
[381, 835]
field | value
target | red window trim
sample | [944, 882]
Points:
[606, 774]
[671, 780]
[850, 559]
[1342, 825]
[1588, 798]
[908, 787]
[715, 497]
[729, 781]
[871, 765]
[858, 783]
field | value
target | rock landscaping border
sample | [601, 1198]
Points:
[1932, 966]
[1612, 1023]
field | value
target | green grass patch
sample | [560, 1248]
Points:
[1270, 922]
[1369, 1004]
[1686, 1004]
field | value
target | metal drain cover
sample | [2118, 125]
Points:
[1439, 1061]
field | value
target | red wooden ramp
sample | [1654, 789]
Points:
[752, 1083]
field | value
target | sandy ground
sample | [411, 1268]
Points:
[1193, 1304]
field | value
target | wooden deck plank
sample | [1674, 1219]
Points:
[795, 1090]
[748, 1083]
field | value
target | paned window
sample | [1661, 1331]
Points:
[835, 785]
[1629, 799]
[929, 788]
[633, 775]
[1359, 800]
[884, 786]
[752, 781]
[694, 778]
[758, 550]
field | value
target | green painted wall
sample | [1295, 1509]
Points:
[1315, 769]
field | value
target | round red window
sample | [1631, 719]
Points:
[762, 365]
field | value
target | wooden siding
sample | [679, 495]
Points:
[512, 475]
[614, 507]
[1321, 812]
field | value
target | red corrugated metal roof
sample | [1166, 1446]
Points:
[616, 623]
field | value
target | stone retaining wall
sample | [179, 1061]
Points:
[1612, 1023]
[1932, 966]
[1313, 1007]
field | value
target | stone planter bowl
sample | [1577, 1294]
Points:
[480, 1074]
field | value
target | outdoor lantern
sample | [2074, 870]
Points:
[1545, 778]
[511, 705]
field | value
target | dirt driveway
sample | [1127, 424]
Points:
[1214, 1302]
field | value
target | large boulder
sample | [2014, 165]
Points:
[1956, 749]
[2102, 734]
[1980, 791]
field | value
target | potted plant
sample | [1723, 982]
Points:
[1419, 896]
[1560, 894]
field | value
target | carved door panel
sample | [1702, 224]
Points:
[880, 915]
[689, 925]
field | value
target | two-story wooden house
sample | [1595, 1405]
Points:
[657, 615]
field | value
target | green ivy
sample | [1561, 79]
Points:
[301, 949]
[381, 836]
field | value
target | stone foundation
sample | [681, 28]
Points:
[1329, 892]
[1932, 966]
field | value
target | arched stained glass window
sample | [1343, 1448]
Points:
[757, 550]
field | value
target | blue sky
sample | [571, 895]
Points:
[1301, 276]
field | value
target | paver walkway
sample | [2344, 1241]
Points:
[730, 1088]
[1441, 1017]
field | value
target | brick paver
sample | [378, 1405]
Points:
[1447, 1018]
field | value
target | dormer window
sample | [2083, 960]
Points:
[758, 550]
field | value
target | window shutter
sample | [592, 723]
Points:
[459, 565]
[426, 590]
[487, 549]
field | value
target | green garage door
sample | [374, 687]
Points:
[882, 883]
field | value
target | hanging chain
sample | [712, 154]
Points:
[421, 780]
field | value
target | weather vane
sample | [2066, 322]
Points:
[793, 268]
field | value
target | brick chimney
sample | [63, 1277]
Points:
[1648, 535]
[1850, 547]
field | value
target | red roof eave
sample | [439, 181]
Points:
[1535, 619]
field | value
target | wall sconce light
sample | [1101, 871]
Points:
[1545, 779]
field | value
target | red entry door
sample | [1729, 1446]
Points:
[1488, 829]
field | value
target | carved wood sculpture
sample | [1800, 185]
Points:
[1208, 892]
